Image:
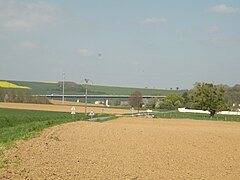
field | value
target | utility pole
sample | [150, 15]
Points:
[86, 81]
[63, 88]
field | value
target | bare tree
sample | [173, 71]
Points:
[135, 100]
[2, 94]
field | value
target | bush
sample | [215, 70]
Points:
[152, 103]
[171, 102]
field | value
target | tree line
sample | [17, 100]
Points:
[203, 96]
[21, 97]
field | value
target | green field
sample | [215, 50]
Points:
[197, 116]
[37, 87]
[42, 88]
[129, 90]
[24, 124]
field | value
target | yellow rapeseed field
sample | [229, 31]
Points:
[5, 84]
[46, 82]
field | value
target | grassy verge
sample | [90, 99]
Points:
[106, 118]
[198, 116]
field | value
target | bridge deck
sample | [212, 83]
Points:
[100, 96]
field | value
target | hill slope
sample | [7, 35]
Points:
[42, 88]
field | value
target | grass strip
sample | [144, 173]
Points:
[18, 124]
[198, 116]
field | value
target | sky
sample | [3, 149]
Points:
[138, 43]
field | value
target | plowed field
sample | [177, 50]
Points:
[129, 148]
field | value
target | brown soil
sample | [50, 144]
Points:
[63, 108]
[129, 148]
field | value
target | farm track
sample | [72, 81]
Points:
[63, 108]
[129, 148]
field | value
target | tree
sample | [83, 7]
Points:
[20, 97]
[2, 95]
[233, 96]
[135, 100]
[115, 102]
[151, 103]
[171, 102]
[206, 96]
[70, 86]
[186, 98]
[12, 95]
[28, 97]
[6, 98]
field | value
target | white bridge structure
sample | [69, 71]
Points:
[100, 96]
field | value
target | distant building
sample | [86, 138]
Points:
[99, 102]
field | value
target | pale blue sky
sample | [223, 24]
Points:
[143, 43]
